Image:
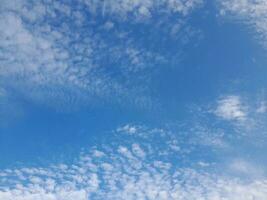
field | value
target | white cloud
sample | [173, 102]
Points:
[231, 108]
[252, 13]
[52, 53]
[129, 169]
[246, 115]
[141, 9]
[128, 129]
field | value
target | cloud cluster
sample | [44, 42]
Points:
[70, 51]
[136, 166]
[252, 13]
[141, 9]
[231, 108]
[245, 113]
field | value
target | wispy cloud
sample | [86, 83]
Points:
[252, 13]
[262, 108]
[246, 113]
[231, 108]
[243, 167]
[139, 10]
[73, 51]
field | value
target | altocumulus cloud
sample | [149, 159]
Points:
[62, 52]
[132, 167]
[70, 50]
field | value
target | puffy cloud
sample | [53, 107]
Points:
[130, 167]
[231, 108]
[245, 114]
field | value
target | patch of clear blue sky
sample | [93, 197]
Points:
[221, 58]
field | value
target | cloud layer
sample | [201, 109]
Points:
[74, 51]
[140, 164]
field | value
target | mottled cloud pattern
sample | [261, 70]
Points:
[133, 166]
[73, 51]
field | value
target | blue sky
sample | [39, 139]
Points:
[131, 99]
